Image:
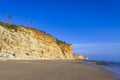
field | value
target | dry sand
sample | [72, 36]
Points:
[51, 70]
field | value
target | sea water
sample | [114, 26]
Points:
[113, 66]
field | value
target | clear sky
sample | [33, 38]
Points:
[92, 26]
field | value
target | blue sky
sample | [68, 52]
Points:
[92, 26]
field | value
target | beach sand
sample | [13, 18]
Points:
[51, 70]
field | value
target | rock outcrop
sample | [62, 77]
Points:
[28, 43]
[79, 57]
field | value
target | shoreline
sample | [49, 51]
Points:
[52, 70]
[110, 66]
[102, 67]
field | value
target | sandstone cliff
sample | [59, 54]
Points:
[18, 42]
[79, 57]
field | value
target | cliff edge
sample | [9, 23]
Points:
[18, 42]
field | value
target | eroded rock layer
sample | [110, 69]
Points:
[27, 43]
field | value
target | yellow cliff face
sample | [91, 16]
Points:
[66, 50]
[26, 43]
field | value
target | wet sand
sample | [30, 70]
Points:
[51, 70]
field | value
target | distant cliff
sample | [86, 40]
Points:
[17, 42]
[79, 57]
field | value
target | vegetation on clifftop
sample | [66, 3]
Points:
[15, 27]
[9, 26]
[60, 42]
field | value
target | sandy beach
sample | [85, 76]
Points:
[51, 70]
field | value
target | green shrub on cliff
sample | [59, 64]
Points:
[60, 42]
[9, 26]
